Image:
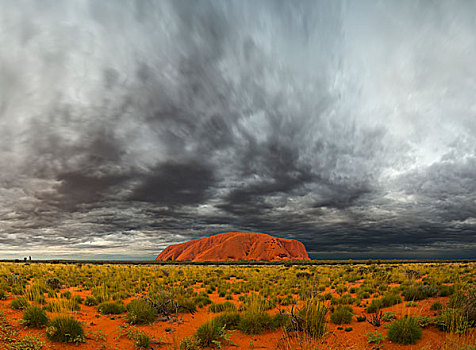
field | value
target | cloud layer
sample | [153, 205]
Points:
[130, 125]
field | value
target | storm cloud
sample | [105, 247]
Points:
[130, 125]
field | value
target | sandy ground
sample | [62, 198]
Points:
[102, 331]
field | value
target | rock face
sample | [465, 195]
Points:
[236, 246]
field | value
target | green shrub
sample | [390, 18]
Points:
[311, 319]
[140, 311]
[189, 343]
[3, 295]
[469, 306]
[424, 321]
[66, 295]
[453, 320]
[26, 342]
[344, 300]
[226, 306]
[254, 322]
[77, 299]
[348, 329]
[60, 305]
[343, 315]
[280, 320]
[229, 320]
[390, 299]
[375, 337]
[65, 329]
[374, 306]
[19, 303]
[53, 283]
[445, 291]
[90, 301]
[111, 308]
[254, 301]
[142, 341]
[208, 334]
[404, 331]
[419, 292]
[186, 305]
[457, 300]
[202, 301]
[387, 300]
[389, 316]
[35, 317]
[436, 306]
[40, 300]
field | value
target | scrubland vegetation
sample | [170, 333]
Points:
[371, 306]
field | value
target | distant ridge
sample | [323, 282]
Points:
[236, 246]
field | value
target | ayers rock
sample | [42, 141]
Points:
[236, 246]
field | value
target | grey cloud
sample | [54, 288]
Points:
[349, 126]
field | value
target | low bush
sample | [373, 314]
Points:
[90, 301]
[419, 292]
[280, 320]
[26, 342]
[35, 317]
[457, 300]
[374, 306]
[254, 302]
[311, 319]
[53, 283]
[140, 311]
[469, 306]
[208, 334]
[189, 343]
[142, 341]
[77, 299]
[389, 316]
[346, 299]
[226, 306]
[375, 337]
[66, 295]
[111, 308]
[453, 320]
[436, 306]
[229, 320]
[404, 331]
[60, 305]
[19, 303]
[343, 315]
[424, 321]
[387, 300]
[201, 301]
[390, 299]
[65, 329]
[186, 305]
[255, 322]
[445, 291]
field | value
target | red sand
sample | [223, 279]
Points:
[103, 326]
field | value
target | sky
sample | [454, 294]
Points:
[127, 126]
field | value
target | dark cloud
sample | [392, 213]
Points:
[130, 125]
[174, 184]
